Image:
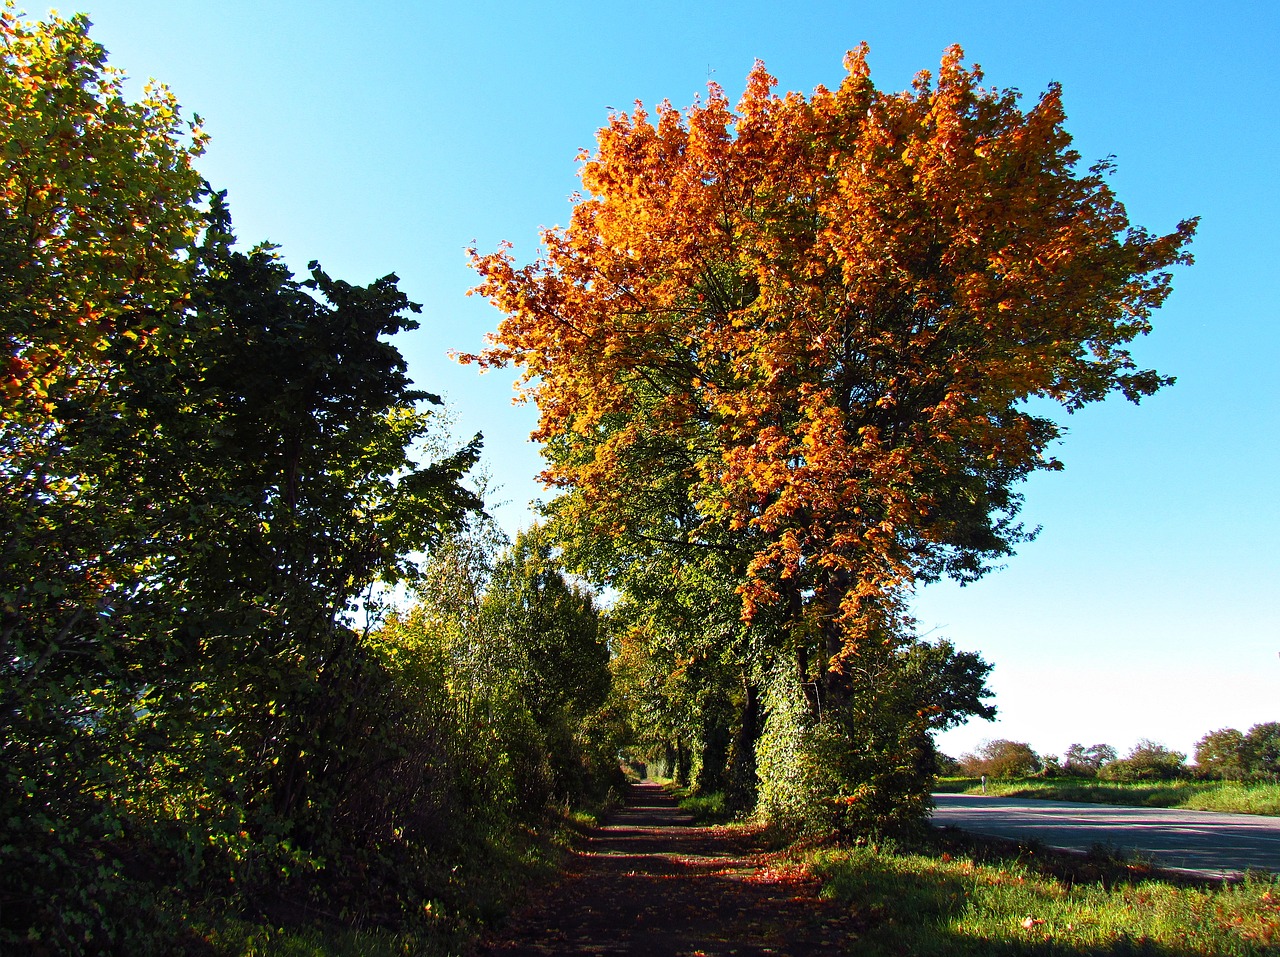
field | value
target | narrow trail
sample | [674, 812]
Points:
[651, 882]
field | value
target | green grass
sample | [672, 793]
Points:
[707, 808]
[935, 903]
[1189, 795]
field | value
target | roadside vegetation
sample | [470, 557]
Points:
[218, 733]
[1233, 771]
[941, 891]
[956, 895]
[1228, 796]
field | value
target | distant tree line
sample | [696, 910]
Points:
[1224, 755]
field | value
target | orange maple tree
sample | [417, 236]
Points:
[824, 316]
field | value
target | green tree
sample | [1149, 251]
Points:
[181, 595]
[1220, 754]
[1260, 751]
[679, 598]
[1147, 761]
[547, 633]
[1087, 761]
[98, 215]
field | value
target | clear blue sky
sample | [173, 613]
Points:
[388, 137]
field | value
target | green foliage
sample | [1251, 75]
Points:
[793, 782]
[947, 766]
[683, 669]
[1229, 755]
[1086, 762]
[1219, 754]
[522, 654]
[867, 762]
[1147, 761]
[184, 698]
[934, 904]
[709, 807]
[548, 636]
[1260, 750]
[213, 477]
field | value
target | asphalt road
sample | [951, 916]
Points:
[1202, 841]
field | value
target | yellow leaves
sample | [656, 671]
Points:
[90, 249]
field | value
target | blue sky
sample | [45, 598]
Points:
[387, 137]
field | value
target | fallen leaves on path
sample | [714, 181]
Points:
[652, 883]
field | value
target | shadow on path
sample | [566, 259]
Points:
[651, 882]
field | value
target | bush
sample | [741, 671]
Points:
[1002, 759]
[859, 770]
[1148, 761]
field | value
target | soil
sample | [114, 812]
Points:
[651, 882]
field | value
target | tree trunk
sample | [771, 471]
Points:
[835, 686]
[740, 791]
[684, 763]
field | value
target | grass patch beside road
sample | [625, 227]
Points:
[1189, 795]
[971, 900]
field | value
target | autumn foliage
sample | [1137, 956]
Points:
[820, 320]
[96, 193]
[839, 306]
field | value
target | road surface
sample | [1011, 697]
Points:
[1204, 841]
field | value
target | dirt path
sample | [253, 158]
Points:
[652, 883]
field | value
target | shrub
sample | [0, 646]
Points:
[1148, 761]
[858, 770]
[1002, 759]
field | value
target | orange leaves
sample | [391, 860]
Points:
[823, 314]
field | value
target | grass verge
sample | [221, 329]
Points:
[1226, 796]
[953, 894]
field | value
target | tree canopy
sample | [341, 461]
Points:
[819, 334]
[97, 194]
[828, 314]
